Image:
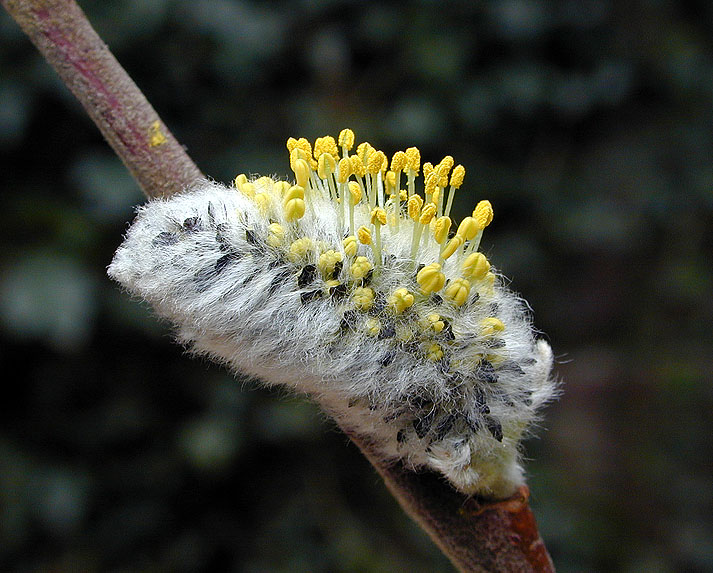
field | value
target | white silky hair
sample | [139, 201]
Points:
[202, 260]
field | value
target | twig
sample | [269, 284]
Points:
[477, 535]
[60, 31]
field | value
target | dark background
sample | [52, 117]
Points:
[588, 124]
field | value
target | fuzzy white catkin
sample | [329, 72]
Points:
[206, 261]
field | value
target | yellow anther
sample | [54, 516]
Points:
[281, 187]
[264, 184]
[457, 176]
[326, 165]
[436, 195]
[294, 209]
[489, 281]
[403, 195]
[328, 261]
[305, 146]
[346, 139]
[302, 171]
[483, 213]
[400, 300]
[275, 234]
[390, 183]
[326, 144]
[452, 246]
[263, 202]
[360, 268]
[248, 189]
[468, 228]
[399, 161]
[445, 166]
[291, 144]
[350, 246]
[299, 249]
[434, 352]
[294, 192]
[490, 326]
[364, 235]
[414, 205]
[413, 159]
[428, 213]
[427, 170]
[376, 162]
[372, 326]
[457, 291]
[434, 321]
[475, 266]
[358, 167]
[431, 182]
[378, 216]
[363, 298]
[430, 278]
[240, 180]
[364, 150]
[345, 170]
[441, 228]
[404, 333]
[354, 192]
[296, 154]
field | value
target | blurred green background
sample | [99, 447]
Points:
[588, 124]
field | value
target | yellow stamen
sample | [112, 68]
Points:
[299, 249]
[346, 140]
[468, 228]
[441, 228]
[276, 234]
[378, 216]
[360, 268]
[491, 326]
[372, 326]
[428, 213]
[363, 298]
[452, 246]
[475, 266]
[350, 246]
[399, 161]
[457, 176]
[457, 291]
[263, 202]
[434, 352]
[328, 261]
[483, 214]
[326, 165]
[364, 235]
[302, 172]
[400, 300]
[293, 203]
[430, 278]
[240, 180]
[413, 156]
[434, 322]
[358, 167]
[414, 205]
[345, 170]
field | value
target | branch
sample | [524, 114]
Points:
[476, 534]
[60, 31]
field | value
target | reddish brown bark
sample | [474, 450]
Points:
[132, 127]
[476, 534]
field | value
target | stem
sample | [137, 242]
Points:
[476, 534]
[60, 31]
